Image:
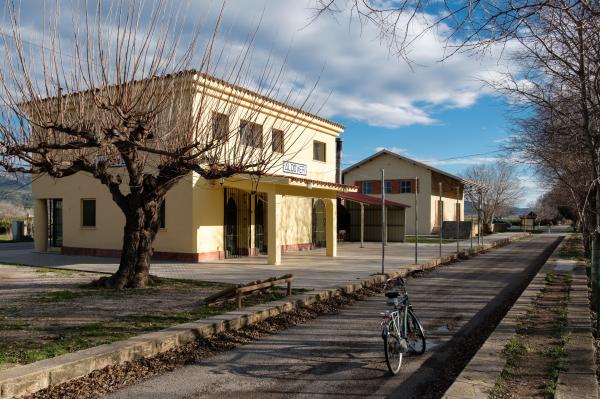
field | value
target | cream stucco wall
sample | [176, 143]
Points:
[194, 208]
[108, 233]
[397, 168]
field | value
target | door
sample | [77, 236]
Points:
[55, 223]
[318, 224]
[236, 223]
[260, 241]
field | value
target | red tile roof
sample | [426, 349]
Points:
[369, 200]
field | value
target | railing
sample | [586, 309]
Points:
[243, 290]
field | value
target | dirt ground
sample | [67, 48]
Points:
[535, 357]
[48, 312]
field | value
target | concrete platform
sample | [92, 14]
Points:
[311, 269]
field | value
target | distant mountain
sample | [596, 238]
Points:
[16, 189]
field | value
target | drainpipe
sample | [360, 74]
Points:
[338, 160]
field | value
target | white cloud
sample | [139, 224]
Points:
[396, 150]
[358, 78]
[461, 161]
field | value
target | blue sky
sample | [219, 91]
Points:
[431, 111]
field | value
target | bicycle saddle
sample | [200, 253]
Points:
[392, 294]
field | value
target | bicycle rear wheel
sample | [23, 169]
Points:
[416, 334]
[393, 355]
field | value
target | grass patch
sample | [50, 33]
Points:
[572, 248]
[60, 272]
[59, 340]
[428, 240]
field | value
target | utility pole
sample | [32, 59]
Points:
[382, 221]
[416, 220]
[440, 214]
[471, 229]
[457, 222]
[479, 237]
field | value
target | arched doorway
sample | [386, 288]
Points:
[230, 227]
[318, 224]
[260, 236]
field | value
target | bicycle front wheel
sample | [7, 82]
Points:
[416, 334]
[393, 355]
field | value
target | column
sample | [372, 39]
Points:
[331, 227]
[253, 250]
[274, 215]
[40, 225]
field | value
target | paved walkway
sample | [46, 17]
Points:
[311, 269]
[341, 355]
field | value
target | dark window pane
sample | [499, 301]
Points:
[318, 151]
[251, 134]
[406, 186]
[162, 215]
[220, 126]
[88, 214]
[277, 141]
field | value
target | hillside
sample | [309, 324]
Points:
[16, 189]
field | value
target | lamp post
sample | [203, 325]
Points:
[382, 221]
[416, 220]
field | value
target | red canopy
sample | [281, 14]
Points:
[369, 200]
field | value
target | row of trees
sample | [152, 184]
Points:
[554, 81]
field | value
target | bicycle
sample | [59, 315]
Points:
[401, 330]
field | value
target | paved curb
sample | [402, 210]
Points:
[30, 378]
[481, 373]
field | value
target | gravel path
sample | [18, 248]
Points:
[341, 355]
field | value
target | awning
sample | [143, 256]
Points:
[369, 200]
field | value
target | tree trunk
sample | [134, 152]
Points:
[138, 235]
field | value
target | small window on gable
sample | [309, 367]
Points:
[88, 213]
[162, 215]
[366, 187]
[277, 140]
[220, 126]
[319, 151]
[251, 134]
[406, 186]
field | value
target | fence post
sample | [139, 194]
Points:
[239, 300]
[289, 288]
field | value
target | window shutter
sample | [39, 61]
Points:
[358, 183]
[414, 185]
[376, 186]
[395, 186]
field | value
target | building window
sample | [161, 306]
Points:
[220, 126]
[88, 213]
[251, 134]
[277, 140]
[319, 151]
[388, 186]
[366, 187]
[406, 186]
[162, 215]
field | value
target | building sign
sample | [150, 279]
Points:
[294, 168]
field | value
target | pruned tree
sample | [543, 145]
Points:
[121, 95]
[499, 192]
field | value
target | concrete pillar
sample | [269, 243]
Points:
[274, 240]
[40, 225]
[331, 227]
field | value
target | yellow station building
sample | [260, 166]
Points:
[292, 208]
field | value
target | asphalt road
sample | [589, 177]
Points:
[342, 355]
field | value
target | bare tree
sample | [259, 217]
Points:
[122, 96]
[500, 191]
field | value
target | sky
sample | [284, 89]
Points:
[441, 113]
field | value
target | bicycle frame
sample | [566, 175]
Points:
[400, 311]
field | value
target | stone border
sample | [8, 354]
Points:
[481, 374]
[30, 378]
